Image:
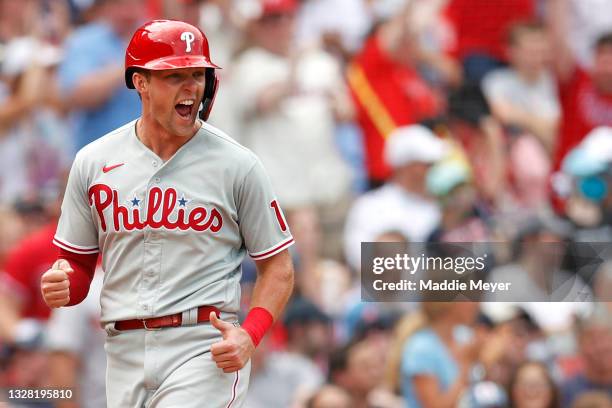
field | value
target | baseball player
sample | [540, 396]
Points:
[173, 205]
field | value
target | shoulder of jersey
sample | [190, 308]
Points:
[225, 141]
[112, 140]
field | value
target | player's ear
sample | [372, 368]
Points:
[140, 80]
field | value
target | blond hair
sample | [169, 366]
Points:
[406, 327]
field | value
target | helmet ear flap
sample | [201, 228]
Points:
[128, 78]
[210, 91]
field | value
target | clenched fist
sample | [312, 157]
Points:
[234, 351]
[54, 284]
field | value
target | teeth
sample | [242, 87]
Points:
[187, 102]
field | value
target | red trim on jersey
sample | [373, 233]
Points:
[84, 266]
[81, 250]
[272, 251]
[229, 404]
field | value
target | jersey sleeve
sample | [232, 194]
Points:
[76, 230]
[262, 222]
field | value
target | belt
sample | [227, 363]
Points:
[157, 323]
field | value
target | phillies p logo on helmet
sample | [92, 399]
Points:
[188, 37]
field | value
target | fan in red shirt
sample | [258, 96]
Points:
[388, 91]
[481, 28]
[20, 296]
[586, 94]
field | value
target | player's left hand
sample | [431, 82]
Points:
[234, 351]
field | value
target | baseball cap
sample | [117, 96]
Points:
[592, 155]
[414, 143]
[23, 52]
[302, 311]
[444, 176]
[598, 143]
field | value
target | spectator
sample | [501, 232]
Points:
[91, 77]
[595, 342]
[330, 396]
[410, 151]
[24, 312]
[433, 353]
[359, 316]
[551, 295]
[35, 150]
[585, 93]
[288, 119]
[388, 90]
[23, 308]
[480, 27]
[505, 346]
[523, 96]
[291, 375]
[586, 170]
[481, 139]
[357, 368]
[462, 218]
[75, 342]
[533, 387]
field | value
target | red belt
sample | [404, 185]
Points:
[156, 323]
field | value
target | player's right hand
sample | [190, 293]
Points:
[55, 286]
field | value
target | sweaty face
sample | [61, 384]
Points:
[173, 99]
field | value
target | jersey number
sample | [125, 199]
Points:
[279, 215]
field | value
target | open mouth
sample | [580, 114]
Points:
[184, 108]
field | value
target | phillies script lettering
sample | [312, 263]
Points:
[161, 204]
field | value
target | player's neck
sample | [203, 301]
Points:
[161, 142]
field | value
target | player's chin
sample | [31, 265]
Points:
[185, 124]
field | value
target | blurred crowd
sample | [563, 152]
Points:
[378, 121]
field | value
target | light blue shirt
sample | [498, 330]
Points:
[424, 353]
[90, 48]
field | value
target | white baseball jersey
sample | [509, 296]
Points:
[172, 234]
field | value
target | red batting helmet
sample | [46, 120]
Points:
[168, 44]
